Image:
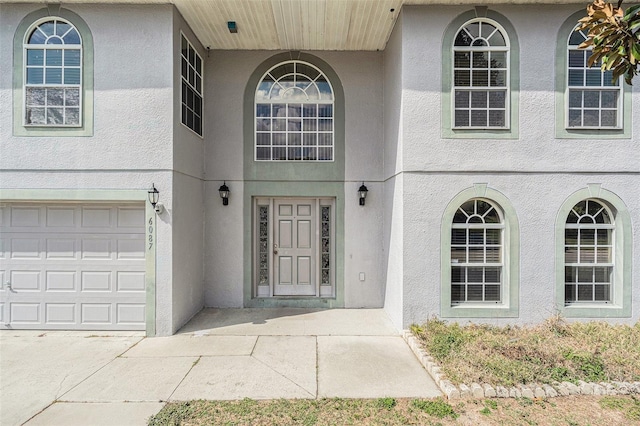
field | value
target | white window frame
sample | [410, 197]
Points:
[61, 86]
[603, 87]
[597, 248]
[621, 293]
[184, 80]
[506, 87]
[467, 246]
[317, 132]
[508, 307]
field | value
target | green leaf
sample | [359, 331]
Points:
[635, 51]
[631, 12]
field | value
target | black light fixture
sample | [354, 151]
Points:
[154, 199]
[224, 193]
[232, 26]
[362, 193]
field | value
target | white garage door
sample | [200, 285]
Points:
[71, 266]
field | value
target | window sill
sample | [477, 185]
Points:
[594, 310]
[479, 310]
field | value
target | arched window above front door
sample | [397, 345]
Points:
[294, 113]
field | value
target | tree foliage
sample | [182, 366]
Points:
[614, 37]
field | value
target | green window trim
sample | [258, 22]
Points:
[303, 171]
[620, 305]
[512, 130]
[562, 132]
[509, 307]
[87, 110]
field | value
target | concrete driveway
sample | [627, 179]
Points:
[89, 378]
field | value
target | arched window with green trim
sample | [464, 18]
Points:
[294, 113]
[593, 255]
[481, 75]
[480, 256]
[53, 74]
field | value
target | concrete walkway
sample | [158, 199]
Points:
[68, 378]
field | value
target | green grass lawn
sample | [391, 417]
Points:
[550, 352]
[553, 351]
[569, 411]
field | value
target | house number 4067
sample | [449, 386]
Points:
[150, 233]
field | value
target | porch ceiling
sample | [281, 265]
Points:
[296, 24]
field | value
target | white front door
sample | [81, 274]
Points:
[294, 247]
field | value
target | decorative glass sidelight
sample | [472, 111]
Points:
[263, 245]
[325, 245]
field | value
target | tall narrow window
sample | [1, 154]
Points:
[593, 99]
[481, 76]
[53, 75]
[263, 245]
[588, 253]
[191, 66]
[476, 253]
[294, 114]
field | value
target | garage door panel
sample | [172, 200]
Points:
[61, 281]
[95, 313]
[73, 267]
[130, 313]
[25, 313]
[96, 281]
[97, 248]
[60, 313]
[61, 217]
[131, 248]
[96, 217]
[131, 281]
[130, 217]
[61, 248]
[25, 280]
[25, 217]
[25, 248]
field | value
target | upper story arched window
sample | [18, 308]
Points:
[593, 100]
[481, 76]
[53, 74]
[294, 113]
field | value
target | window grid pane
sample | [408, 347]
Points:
[476, 254]
[191, 72]
[593, 100]
[480, 77]
[588, 254]
[53, 75]
[294, 115]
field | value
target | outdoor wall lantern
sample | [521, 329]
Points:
[224, 193]
[362, 193]
[154, 197]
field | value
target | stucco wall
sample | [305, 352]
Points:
[393, 188]
[187, 213]
[536, 199]
[536, 172]
[132, 105]
[131, 146]
[360, 74]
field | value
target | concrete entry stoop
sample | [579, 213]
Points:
[221, 354]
